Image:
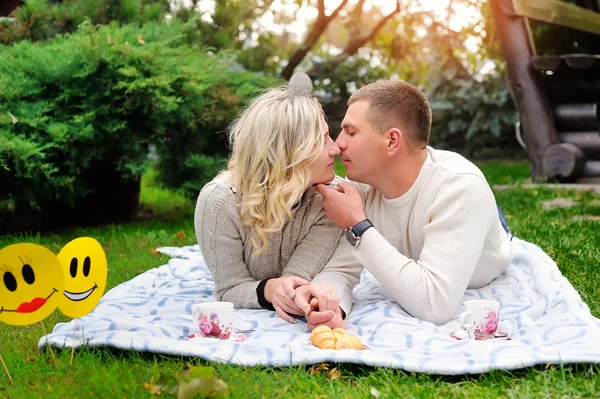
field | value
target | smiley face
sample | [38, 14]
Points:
[31, 283]
[84, 266]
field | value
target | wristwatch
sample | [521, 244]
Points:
[354, 233]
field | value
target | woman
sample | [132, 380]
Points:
[261, 224]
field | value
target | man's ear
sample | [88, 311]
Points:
[395, 141]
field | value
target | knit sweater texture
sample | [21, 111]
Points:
[438, 239]
[302, 248]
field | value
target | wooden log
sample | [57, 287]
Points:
[588, 142]
[576, 117]
[545, 63]
[592, 169]
[563, 161]
[582, 61]
[562, 92]
[559, 13]
[535, 113]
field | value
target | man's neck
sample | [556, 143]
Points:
[401, 174]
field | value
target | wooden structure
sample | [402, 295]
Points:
[556, 96]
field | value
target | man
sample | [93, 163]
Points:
[433, 228]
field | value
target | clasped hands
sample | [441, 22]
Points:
[319, 303]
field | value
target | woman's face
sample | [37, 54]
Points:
[321, 171]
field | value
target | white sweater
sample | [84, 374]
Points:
[438, 239]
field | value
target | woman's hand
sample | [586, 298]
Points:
[321, 306]
[280, 293]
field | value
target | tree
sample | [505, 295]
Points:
[357, 39]
[320, 25]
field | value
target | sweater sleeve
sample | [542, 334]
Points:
[219, 232]
[311, 257]
[342, 272]
[431, 287]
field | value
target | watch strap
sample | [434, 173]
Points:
[361, 227]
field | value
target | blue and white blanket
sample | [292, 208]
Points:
[539, 308]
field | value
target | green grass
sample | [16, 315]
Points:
[103, 373]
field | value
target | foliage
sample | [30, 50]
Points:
[470, 114]
[195, 382]
[234, 24]
[43, 19]
[87, 105]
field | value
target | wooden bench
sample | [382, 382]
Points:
[556, 96]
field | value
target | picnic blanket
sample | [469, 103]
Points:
[539, 308]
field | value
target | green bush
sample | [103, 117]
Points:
[42, 19]
[77, 115]
[475, 118]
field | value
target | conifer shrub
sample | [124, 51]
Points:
[78, 113]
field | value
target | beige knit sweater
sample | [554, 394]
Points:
[301, 249]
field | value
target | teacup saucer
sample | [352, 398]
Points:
[237, 337]
[461, 334]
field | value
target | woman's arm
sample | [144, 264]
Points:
[314, 257]
[220, 235]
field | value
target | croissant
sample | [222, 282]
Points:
[325, 338]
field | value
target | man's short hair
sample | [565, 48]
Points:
[396, 104]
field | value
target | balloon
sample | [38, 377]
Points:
[85, 270]
[31, 283]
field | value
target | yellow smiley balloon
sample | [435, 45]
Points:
[85, 269]
[31, 283]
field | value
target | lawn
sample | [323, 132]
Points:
[570, 235]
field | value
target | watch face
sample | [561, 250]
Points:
[350, 237]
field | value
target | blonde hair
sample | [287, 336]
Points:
[396, 104]
[274, 141]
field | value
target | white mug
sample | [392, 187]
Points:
[214, 319]
[480, 318]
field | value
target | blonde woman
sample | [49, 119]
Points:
[261, 224]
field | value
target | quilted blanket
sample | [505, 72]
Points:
[539, 309]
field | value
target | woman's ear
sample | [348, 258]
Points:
[395, 141]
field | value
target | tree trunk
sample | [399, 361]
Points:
[535, 113]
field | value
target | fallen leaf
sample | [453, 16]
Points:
[152, 388]
[180, 234]
[318, 368]
[375, 392]
[165, 384]
[153, 251]
[140, 39]
[334, 374]
[200, 382]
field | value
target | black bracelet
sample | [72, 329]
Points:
[260, 293]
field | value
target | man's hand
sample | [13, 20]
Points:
[321, 305]
[316, 319]
[280, 292]
[344, 207]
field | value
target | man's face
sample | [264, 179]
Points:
[363, 150]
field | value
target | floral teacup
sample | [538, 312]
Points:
[214, 319]
[480, 318]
